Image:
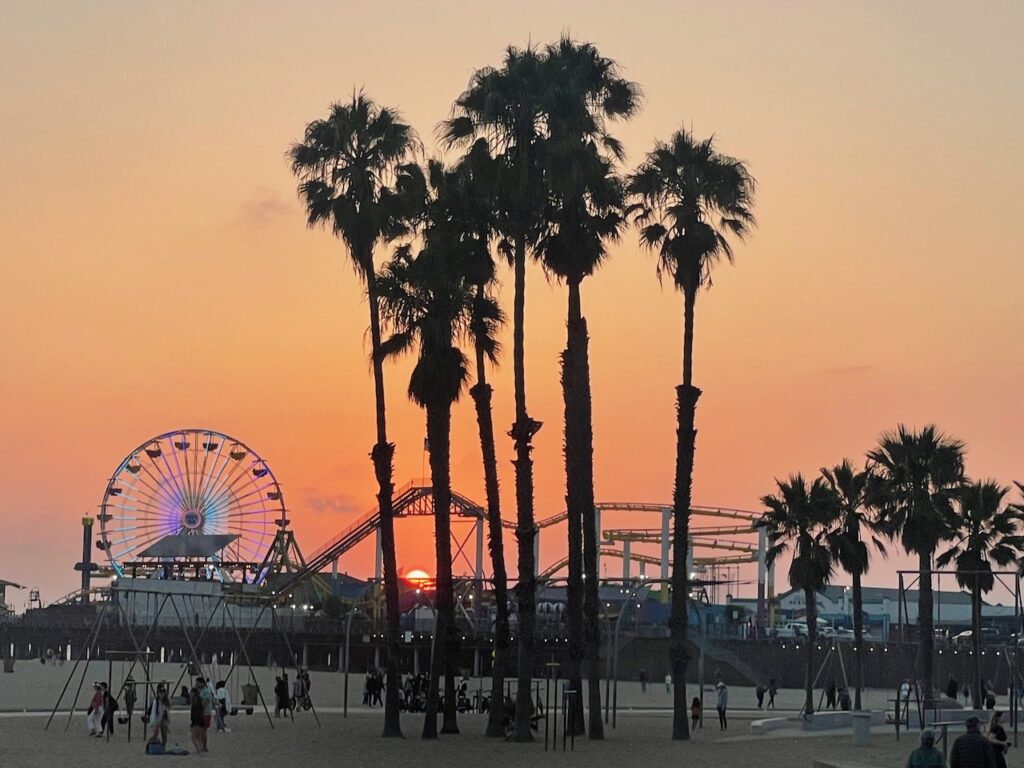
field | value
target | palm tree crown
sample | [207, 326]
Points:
[353, 167]
[799, 518]
[690, 198]
[985, 532]
[917, 475]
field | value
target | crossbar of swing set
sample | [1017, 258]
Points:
[1018, 620]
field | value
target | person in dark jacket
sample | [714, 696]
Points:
[952, 688]
[926, 756]
[997, 738]
[972, 750]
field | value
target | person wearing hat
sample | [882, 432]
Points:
[722, 704]
[926, 755]
[972, 750]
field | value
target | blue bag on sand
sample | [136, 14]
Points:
[154, 748]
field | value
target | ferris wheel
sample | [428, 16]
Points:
[191, 482]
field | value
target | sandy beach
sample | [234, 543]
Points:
[641, 735]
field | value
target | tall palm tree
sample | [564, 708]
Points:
[688, 200]
[354, 171]
[985, 532]
[916, 478]
[585, 211]
[505, 106]
[799, 518]
[427, 301]
[473, 197]
[850, 550]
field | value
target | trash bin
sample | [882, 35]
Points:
[861, 728]
[8, 665]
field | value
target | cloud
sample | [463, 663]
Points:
[847, 370]
[319, 504]
[264, 207]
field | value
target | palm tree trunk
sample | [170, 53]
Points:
[810, 600]
[445, 650]
[579, 473]
[976, 642]
[383, 455]
[925, 626]
[686, 438]
[858, 639]
[481, 393]
[522, 432]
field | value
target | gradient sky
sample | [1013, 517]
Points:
[156, 271]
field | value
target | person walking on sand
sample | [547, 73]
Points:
[759, 693]
[206, 699]
[94, 715]
[722, 704]
[668, 683]
[926, 755]
[773, 689]
[160, 715]
[972, 750]
[830, 695]
[695, 710]
[280, 695]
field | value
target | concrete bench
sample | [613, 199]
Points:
[825, 721]
[758, 727]
[830, 764]
[951, 715]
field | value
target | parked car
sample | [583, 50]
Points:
[792, 629]
[988, 635]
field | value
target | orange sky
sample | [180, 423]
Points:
[156, 272]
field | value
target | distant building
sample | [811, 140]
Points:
[882, 607]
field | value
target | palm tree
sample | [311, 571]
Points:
[916, 478]
[473, 195]
[427, 301]
[689, 199]
[584, 212]
[985, 532]
[800, 518]
[850, 550]
[353, 170]
[505, 106]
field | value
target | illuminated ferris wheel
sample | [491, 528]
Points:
[190, 483]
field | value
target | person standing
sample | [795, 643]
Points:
[642, 676]
[221, 695]
[926, 755]
[668, 684]
[759, 693]
[951, 688]
[280, 695]
[195, 711]
[695, 710]
[160, 715]
[94, 715]
[722, 704]
[972, 750]
[206, 699]
[109, 708]
[830, 695]
[998, 739]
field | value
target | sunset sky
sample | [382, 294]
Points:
[156, 271]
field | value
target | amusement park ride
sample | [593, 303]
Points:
[199, 505]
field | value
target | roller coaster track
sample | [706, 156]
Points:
[414, 499]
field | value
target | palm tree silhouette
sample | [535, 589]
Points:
[476, 194]
[916, 478]
[799, 518]
[427, 302]
[985, 532]
[505, 106]
[849, 548]
[585, 211]
[354, 172]
[689, 199]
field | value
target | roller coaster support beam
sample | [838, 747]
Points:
[666, 542]
[625, 561]
[762, 615]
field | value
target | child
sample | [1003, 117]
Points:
[695, 712]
